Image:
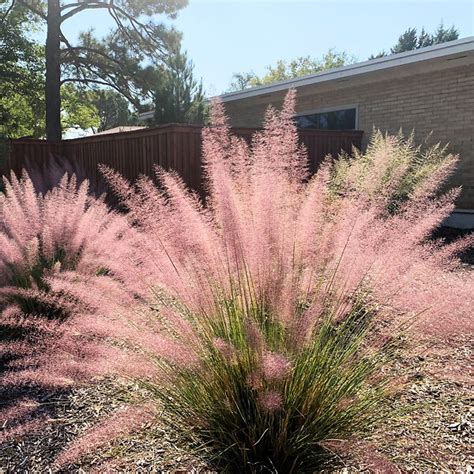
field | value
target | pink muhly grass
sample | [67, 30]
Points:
[251, 237]
[47, 173]
[225, 349]
[42, 236]
[291, 272]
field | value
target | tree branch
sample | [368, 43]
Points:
[104, 75]
[78, 7]
[114, 11]
[72, 49]
[99, 82]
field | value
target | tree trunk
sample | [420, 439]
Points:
[53, 72]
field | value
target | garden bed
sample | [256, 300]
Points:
[430, 429]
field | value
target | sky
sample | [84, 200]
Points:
[223, 37]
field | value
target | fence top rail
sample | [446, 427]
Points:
[174, 128]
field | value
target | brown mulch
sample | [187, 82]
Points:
[429, 428]
[153, 448]
[431, 424]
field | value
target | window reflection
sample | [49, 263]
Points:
[344, 119]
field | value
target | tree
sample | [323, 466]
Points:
[241, 81]
[284, 70]
[78, 110]
[441, 35]
[22, 71]
[410, 40]
[21, 77]
[113, 110]
[407, 41]
[116, 61]
[178, 97]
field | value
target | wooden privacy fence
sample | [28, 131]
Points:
[171, 146]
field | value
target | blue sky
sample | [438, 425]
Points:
[227, 36]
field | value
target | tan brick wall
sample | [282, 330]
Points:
[440, 102]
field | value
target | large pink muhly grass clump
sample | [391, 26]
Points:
[270, 309]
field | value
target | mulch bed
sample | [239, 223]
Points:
[153, 448]
[429, 429]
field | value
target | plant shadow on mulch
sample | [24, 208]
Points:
[24, 405]
[73, 413]
[156, 448]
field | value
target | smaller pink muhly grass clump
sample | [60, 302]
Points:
[64, 235]
[42, 236]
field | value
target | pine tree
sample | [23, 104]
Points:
[442, 34]
[179, 97]
[424, 39]
[410, 40]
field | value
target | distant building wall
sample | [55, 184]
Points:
[439, 102]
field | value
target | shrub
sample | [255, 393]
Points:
[269, 311]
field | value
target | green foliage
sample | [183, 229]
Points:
[113, 110]
[78, 109]
[22, 102]
[124, 60]
[118, 60]
[178, 97]
[407, 41]
[21, 79]
[284, 70]
[441, 35]
[410, 39]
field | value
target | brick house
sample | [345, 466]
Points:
[426, 90]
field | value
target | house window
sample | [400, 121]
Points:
[341, 119]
